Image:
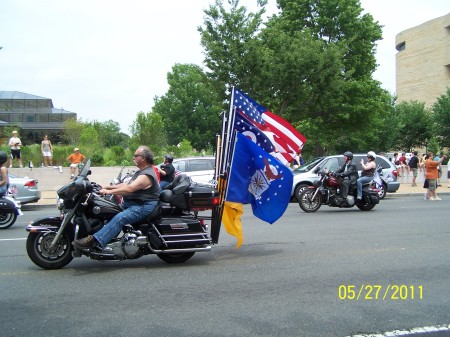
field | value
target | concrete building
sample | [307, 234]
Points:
[34, 116]
[423, 61]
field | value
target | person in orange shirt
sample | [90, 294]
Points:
[432, 174]
[76, 160]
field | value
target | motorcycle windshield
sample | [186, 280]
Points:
[85, 172]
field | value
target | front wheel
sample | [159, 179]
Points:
[176, 258]
[7, 219]
[43, 255]
[308, 202]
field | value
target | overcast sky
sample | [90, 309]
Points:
[108, 59]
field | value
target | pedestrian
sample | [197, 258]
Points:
[414, 167]
[15, 143]
[47, 151]
[403, 165]
[439, 168]
[431, 168]
[422, 164]
[76, 160]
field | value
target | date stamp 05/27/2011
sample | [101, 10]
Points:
[371, 292]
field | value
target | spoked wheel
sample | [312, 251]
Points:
[7, 219]
[176, 257]
[43, 255]
[381, 190]
[307, 203]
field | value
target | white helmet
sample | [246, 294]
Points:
[372, 154]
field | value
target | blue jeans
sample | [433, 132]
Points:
[3, 190]
[163, 184]
[360, 182]
[133, 212]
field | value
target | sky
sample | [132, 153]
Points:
[108, 59]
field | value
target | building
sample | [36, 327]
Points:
[34, 116]
[423, 61]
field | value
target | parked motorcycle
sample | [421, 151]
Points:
[9, 210]
[326, 191]
[174, 231]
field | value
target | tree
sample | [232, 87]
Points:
[72, 130]
[441, 118]
[148, 129]
[414, 122]
[190, 109]
[312, 64]
[109, 133]
[89, 137]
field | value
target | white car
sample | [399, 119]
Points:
[199, 169]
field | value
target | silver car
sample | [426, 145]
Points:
[199, 169]
[26, 190]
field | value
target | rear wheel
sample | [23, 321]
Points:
[308, 203]
[364, 207]
[7, 219]
[176, 257]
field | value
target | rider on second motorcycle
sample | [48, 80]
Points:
[349, 174]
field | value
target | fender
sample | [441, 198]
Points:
[47, 224]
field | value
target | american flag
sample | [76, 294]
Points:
[286, 140]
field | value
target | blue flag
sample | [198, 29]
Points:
[244, 126]
[260, 179]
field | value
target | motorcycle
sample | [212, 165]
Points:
[10, 209]
[379, 183]
[174, 231]
[326, 191]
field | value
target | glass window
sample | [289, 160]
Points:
[180, 165]
[15, 118]
[42, 118]
[28, 118]
[199, 165]
[4, 117]
[54, 118]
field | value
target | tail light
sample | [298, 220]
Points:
[30, 183]
[395, 173]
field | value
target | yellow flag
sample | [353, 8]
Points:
[231, 219]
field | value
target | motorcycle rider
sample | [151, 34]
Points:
[368, 170]
[167, 171]
[349, 174]
[141, 197]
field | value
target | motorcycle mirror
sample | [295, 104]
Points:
[317, 170]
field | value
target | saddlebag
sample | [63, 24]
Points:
[180, 232]
[187, 195]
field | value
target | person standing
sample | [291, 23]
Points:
[76, 159]
[414, 166]
[14, 144]
[47, 151]
[166, 171]
[141, 198]
[432, 175]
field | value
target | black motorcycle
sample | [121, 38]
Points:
[174, 231]
[326, 191]
[9, 210]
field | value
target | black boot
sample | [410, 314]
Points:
[85, 243]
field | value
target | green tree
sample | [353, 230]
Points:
[89, 137]
[109, 133]
[148, 129]
[414, 122]
[312, 64]
[190, 109]
[441, 118]
[72, 130]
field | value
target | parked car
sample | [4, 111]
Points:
[199, 169]
[26, 189]
[304, 176]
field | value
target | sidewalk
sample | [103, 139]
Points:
[48, 198]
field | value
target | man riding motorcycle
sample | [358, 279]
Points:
[349, 174]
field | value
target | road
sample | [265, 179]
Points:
[292, 278]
